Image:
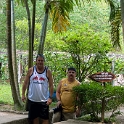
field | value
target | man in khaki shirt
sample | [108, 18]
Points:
[65, 97]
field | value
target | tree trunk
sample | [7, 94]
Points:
[33, 24]
[14, 62]
[31, 37]
[43, 31]
[122, 15]
[30, 55]
[9, 50]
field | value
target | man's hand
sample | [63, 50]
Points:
[23, 98]
[49, 101]
[78, 113]
[59, 103]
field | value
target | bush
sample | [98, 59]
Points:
[91, 97]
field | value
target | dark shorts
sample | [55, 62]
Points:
[38, 109]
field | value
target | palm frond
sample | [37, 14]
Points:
[115, 20]
[115, 29]
[60, 14]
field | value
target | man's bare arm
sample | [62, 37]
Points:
[49, 74]
[50, 82]
[58, 92]
[26, 83]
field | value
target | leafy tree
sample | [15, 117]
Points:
[88, 50]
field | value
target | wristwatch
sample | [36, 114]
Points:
[50, 97]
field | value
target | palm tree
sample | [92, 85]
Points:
[17, 104]
[14, 63]
[59, 13]
[44, 28]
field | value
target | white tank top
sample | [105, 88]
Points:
[38, 88]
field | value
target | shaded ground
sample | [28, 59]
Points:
[9, 109]
[4, 107]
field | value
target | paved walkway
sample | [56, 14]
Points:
[8, 117]
[12, 118]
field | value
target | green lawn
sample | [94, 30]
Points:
[5, 94]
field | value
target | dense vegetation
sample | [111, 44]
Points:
[85, 45]
[99, 14]
[95, 99]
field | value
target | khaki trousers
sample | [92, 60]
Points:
[57, 117]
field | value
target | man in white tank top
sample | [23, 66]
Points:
[40, 82]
